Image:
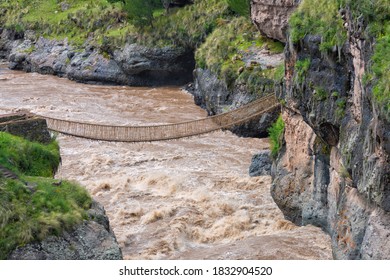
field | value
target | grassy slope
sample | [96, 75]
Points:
[106, 26]
[27, 216]
[224, 49]
[322, 17]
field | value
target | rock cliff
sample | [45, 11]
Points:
[133, 64]
[333, 170]
[271, 16]
[216, 97]
[91, 240]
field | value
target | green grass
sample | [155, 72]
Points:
[276, 132]
[318, 17]
[321, 17]
[381, 71]
[27, 216]
[320, 94]
[241, 7]
[186, 27]
[224, 49]
[28, 158]
[301, 68]
[83, 18]
[341, 104]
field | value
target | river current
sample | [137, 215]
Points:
[179, 199]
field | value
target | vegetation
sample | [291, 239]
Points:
[276, 132]
[381, 72]
[320, 94]
[24, 157]
[322, 17]
[42, 207]
[140, 12]
[228, 47]
[341, 104]
[318, 17]
[108, 24]
[188, 26]
[301, 68]
[241, 7]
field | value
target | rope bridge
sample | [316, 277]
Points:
[163, 132]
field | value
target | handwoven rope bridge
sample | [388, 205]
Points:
[163, 132]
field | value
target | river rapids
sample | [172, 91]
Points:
[179, 199]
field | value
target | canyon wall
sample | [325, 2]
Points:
[333, 170]
[132, 65]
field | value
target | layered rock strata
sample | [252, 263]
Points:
[334, 168]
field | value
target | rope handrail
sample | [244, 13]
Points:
[165, 131]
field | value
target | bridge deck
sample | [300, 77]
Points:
[163, 132]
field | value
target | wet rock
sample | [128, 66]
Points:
[261, 164]
[91, 240]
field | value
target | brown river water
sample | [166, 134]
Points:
[180, 199]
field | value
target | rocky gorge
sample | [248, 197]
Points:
[333, 168]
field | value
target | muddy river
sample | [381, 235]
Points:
[180, 199]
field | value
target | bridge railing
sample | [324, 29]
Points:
[166, 131]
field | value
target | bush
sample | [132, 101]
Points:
[276, 132]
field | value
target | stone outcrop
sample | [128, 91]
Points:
[133, 65]
[261, 164]
[271, 16]
[334, 167]
[32, 129]
[216, 97]
[91, 240]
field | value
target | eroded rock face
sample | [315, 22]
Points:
[133, 65]
[333, 170]
[92, 240]
[271, 16]
[214, 95]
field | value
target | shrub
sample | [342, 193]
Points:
[276, 132]
[225, 48]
